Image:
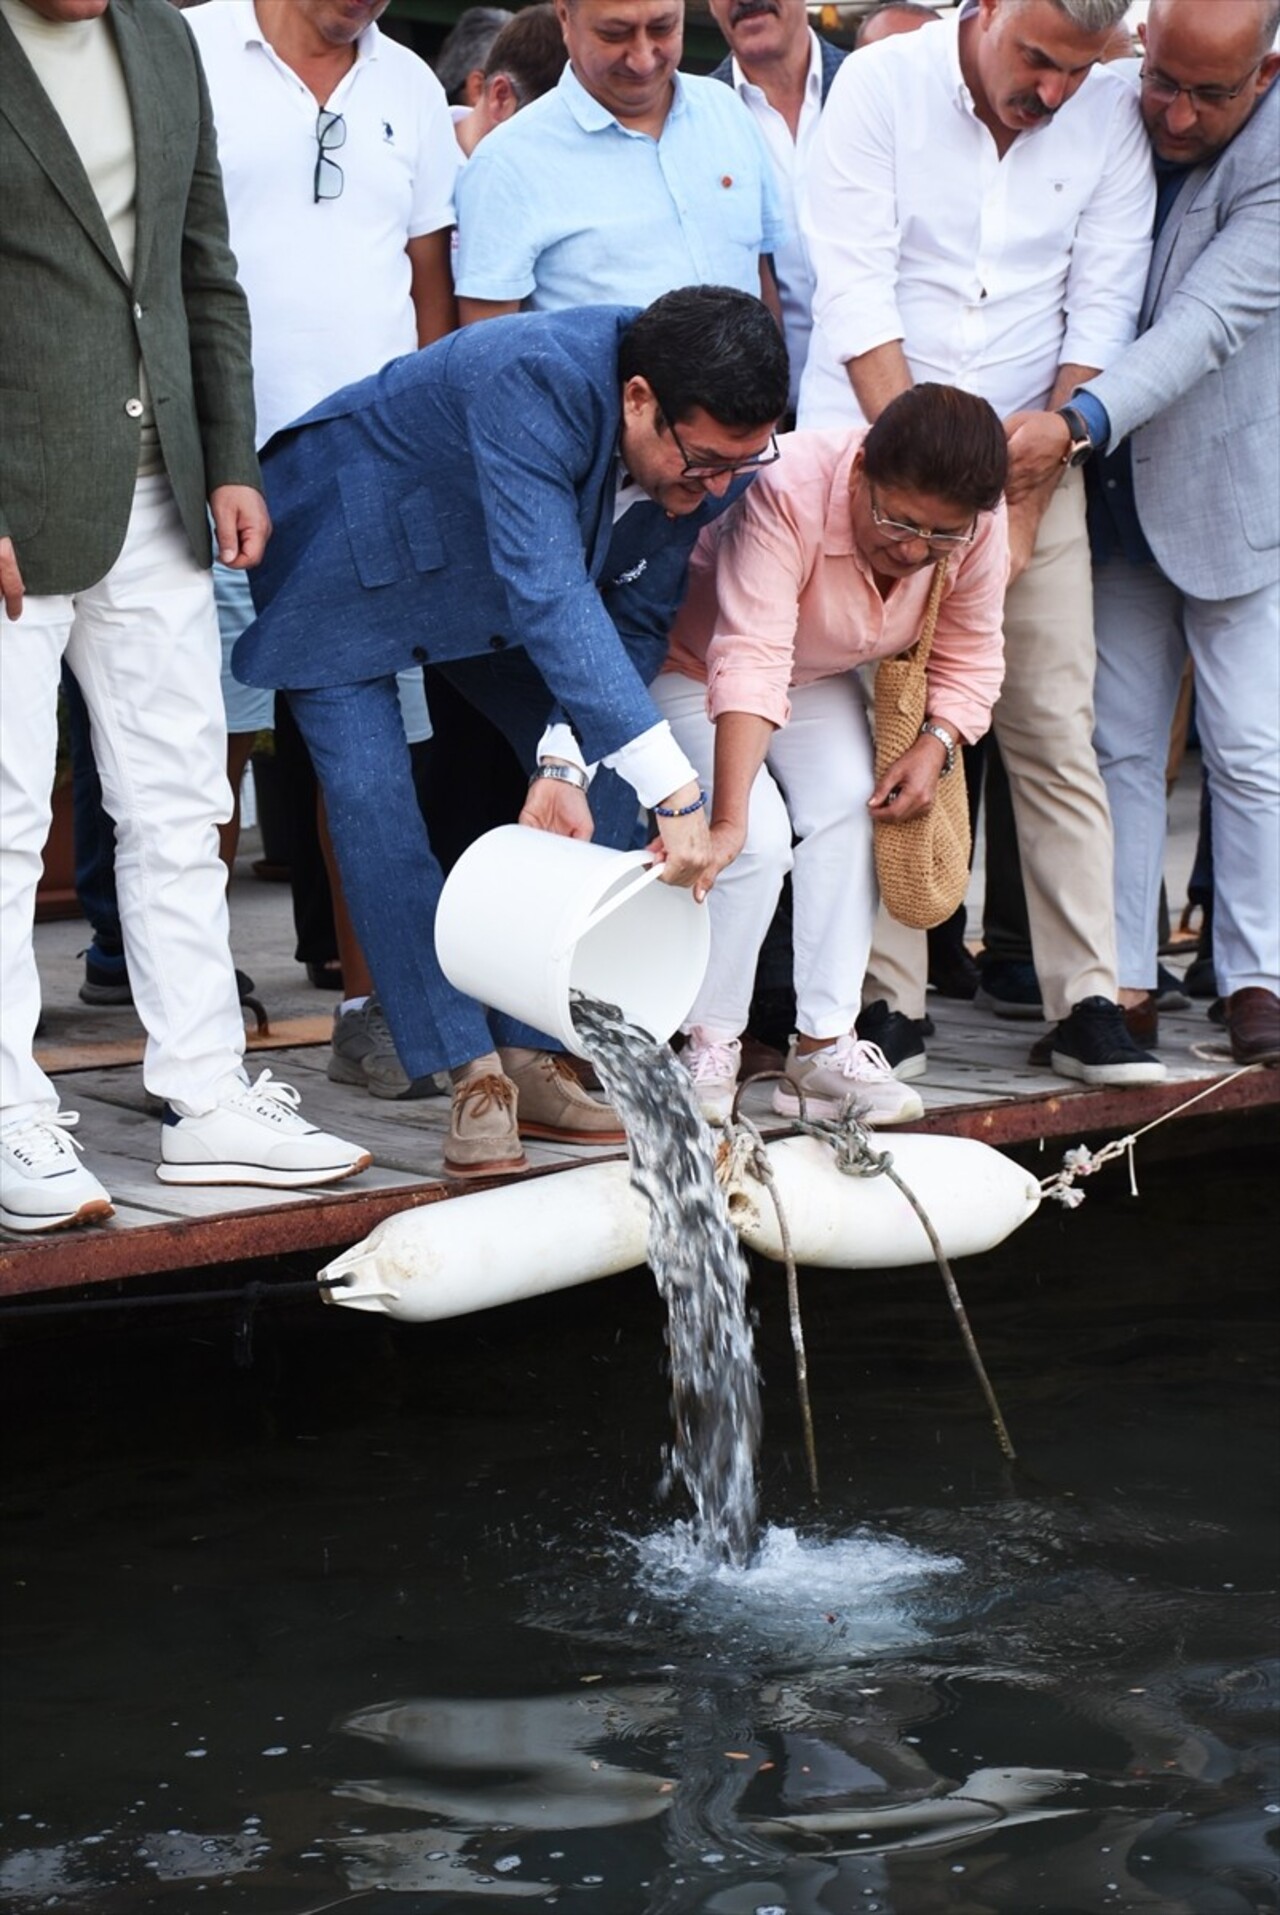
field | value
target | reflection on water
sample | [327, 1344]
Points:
[386, 1624]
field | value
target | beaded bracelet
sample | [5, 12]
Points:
[680, 811]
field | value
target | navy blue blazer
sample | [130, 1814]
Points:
[461, 501]
[833, 58]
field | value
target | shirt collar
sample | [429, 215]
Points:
[591, 116]
[813, 78]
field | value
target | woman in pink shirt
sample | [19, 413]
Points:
[824, 566]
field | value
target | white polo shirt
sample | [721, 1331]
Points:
[328, 283]
[790, 159]
[993, 272]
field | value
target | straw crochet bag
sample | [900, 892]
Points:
[922, 866]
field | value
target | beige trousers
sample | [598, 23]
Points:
[1044, 722]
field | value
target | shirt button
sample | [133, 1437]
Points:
[134, 408]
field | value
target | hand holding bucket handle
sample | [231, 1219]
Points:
[682, 848]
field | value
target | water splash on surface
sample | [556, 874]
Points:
[701, 1274]
[850, 1596]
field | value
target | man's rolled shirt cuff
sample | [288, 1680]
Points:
[560, 741]
[653, 765]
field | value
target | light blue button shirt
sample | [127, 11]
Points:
[562, 207]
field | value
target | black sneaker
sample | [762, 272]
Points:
[1093, 1045]
[1169, 992]
[106, 978]
[1009, 987]
[896, 1035]
[106, 981]
[1200, 979]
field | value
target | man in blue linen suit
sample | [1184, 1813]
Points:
[1185, 514]
[460, 504]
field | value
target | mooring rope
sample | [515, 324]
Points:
[851, 1143]
[746, 1152]
[1080, 1161]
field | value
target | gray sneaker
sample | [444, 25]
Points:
[358, 1036]
[363, 1052]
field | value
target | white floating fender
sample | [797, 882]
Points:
[974, 1197]
[454, 1256]
[496, 1246]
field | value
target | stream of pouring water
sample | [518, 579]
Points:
[701, 1275]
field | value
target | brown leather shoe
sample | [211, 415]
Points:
[483, 1139]
[1142, 1020]
[553, 1103]
[1253, 1024]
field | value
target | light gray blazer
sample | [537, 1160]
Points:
[1199, 389]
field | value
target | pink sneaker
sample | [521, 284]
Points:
[850, 1071]
[712, 1063]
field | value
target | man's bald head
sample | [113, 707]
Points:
[1204, 71]
[892, 17]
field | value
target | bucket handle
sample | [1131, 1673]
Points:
[644, 876]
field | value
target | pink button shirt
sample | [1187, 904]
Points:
[779, 596]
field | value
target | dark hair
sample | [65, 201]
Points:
[709, 346]
[940, 440]
[531, 51]
[466, 46]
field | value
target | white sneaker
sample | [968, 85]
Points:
[43, 1185]
[712, 1063]
[850, 1071]
[254, 1135]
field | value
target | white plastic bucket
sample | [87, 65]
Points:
[526, 918]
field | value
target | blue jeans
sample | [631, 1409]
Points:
[391, 876]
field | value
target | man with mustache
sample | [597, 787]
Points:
[1185, 512]
[782, 73]
[978, 213]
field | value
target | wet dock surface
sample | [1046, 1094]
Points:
[979, 1084]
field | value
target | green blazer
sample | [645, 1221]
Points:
[73, 328]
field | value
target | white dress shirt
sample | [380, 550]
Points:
[993, 272]
[790, 157]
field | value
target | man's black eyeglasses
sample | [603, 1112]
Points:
[331, 132]
[723, 468]
[1159, 87]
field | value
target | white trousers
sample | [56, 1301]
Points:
[814, 786]
[143, 644]
[1044, 721]
[1145, 629]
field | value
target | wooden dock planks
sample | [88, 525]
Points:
[979, 1085]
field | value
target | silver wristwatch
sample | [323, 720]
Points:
[562, 774]
[946, 739]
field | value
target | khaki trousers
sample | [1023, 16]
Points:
[1044, 722]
